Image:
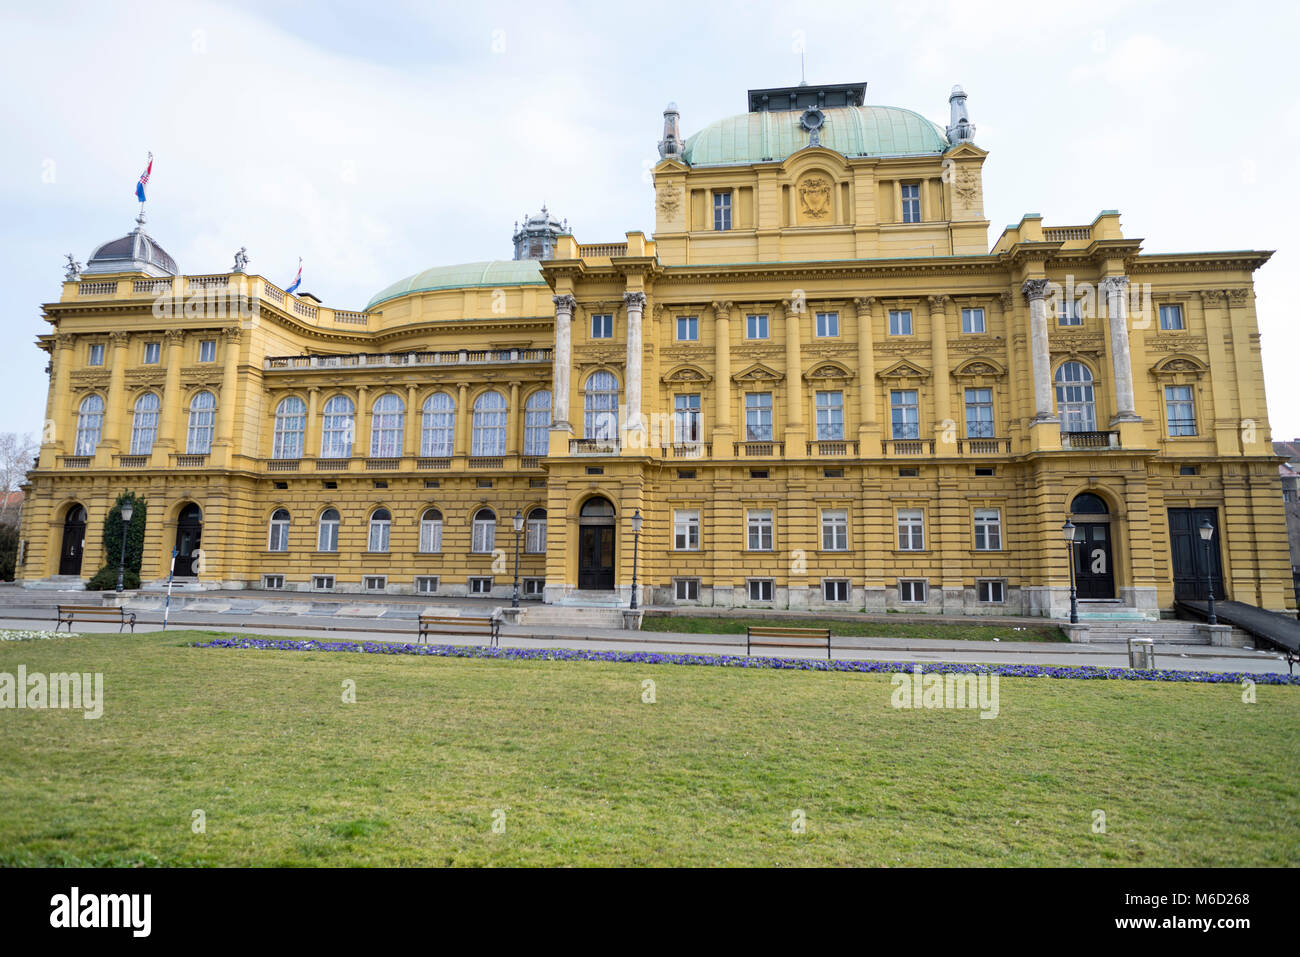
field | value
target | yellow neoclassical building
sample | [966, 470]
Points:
[817, 386]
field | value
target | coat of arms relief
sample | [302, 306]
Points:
[815, 198]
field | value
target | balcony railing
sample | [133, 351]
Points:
[97, 289]
[333, 465]
[758, 450]
[833, 447]
[1061, 234]
[432, 462]
[593, 446]
[386, 464]
[1089, 440]
[530, 462]
[688, 450]
[283, 465]
[486, 462]
[602, 250]
[371, 360]
[907, 446]
[132, 461]
[983, 446]
[190, 460]
[74, 461]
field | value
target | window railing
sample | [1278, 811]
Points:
[530, 461]
[833, 447]
[432, 462]
[593, 446]
[688, 450]
[75, 461]
[132, 461]
[385, 464]
[486, 462]
[190, 460]
[333, 465]
[1089, 440]
[283, 465]
[758, 450]
[982, 446]
[907, 446]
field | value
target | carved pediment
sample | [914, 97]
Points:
[1179, 364]
[758, 372]
[687, 373]
[827, 371]
[904, 370]
[980, 366]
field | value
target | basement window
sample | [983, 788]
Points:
[273, 582]
[375, 582]
[322, 582]
[426, 584]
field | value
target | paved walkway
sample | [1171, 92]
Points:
[1107, 655]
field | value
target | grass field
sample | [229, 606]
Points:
[949, 631]
[286, 773]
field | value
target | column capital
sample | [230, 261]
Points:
[232, 333]
[65, 340]
[1238, 297]
[791, 308]
[1006, 300]
[722, 309]
[939, 302]
[1212, 297]
[1034, 289]
[865, 302]
[1114, 285]
[174, 336]
[564, 305]
[634, 300]
[119, 338]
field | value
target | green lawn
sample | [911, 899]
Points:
[288, 774]
[950, 631]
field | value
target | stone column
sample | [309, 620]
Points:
[361, 424]
[514, 422]
[635, 302]
[1116, 290]
[311, 436]
[228, 402]
[1035, 291]
[1226, 421]
[117, 418]
[61, 431]
[945, 429]
[865, 308]
[723, 433]
[460, 423]
[795, 433]
[172, 399]
[563, 364]
[1253, 428]
[410, 424]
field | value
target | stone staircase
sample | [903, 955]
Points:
[589, 616]
[1166, 631]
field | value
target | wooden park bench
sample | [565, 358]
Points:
[70, 613]
[786, 638]
[458, 625]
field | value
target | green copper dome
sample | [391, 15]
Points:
[498, 272]
[771, 136]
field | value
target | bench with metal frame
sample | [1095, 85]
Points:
[782, 638]
[67, 614]
[459, 625]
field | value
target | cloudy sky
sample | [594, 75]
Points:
[375, 139]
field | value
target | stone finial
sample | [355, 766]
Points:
[670, 147]
[960, 128]
[73, 273]
[241, 259]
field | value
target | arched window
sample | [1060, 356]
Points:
[535, 532]
[537, 422]
[489, 425]
[1088, 503]
[439, 426]
[431, 531]
[485, 531]
[203, 412]
[337, 428]
[90, 420]
[380, 523]
[600, 400]
[279, 537]
[144, 424]
[327, 536]
[290, 428]
[1074, 399]
[386, 421]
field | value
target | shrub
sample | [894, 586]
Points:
[8, 551]
[106, 578]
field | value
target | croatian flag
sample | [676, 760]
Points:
[297, 280]
[144, 180]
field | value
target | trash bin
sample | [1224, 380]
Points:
[1141, 653]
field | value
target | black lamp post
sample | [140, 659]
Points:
[519, 527]
[1068, 530]
[637, 522]
[1207, 533]
[128, 509]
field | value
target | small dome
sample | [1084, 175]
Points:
[497, 273]
[135, 252]
[771, 136]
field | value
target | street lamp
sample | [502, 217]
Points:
[1207, 533]
[637, 522]
[519, 527]
[128, 509]
[1068, 530]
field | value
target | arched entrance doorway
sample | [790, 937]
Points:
[189, 538]
[74, 537]
[1094, 559]
[596, 545]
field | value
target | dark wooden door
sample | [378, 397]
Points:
[189, 539]
[1094, 567]
[74, 537]
[596, 557]
[1192, 566]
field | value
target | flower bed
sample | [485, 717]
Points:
[740, 661]
[11, 634]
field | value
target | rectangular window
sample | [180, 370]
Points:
[911, 195]
[208, 350]
[828, 325]
[759, 524]
[688, 328]
[988, 529]
[760, 589]
[375, 582]
[686, 530]
[1180, 410]
[484, 537]
[534, 587]
[900, 322]
[426, 584]
[1070, 312]
[905, 414]
[758, 417]
[273, 582]
[379, 529]
[835, 529]
[480, 586]
[972, 320]
[1171, 317]
[97, 354]
[835, 589]
[722, 211]
[431, 534]
[911, 590]
[979, 413]
[322, 582]
[535, 532]
[830, 416]
[686, 589]
[756, 327]
[602, 325]
[686, 418]
[991, 591]
[152, 351]
[911, 530]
